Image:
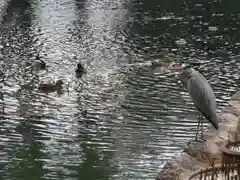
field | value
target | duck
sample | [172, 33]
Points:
[80, 70]
[84, 113]
[51, 87]
[40, 63]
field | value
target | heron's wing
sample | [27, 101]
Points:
[202, 95]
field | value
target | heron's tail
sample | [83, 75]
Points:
[214, 123]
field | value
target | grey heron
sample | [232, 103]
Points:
[200, 92]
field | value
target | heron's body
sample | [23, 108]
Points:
[201, 94]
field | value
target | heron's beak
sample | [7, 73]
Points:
[175, 67]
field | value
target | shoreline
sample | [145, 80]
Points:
[196, 155]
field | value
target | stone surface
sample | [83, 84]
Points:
[236, 96]
[235, 107]
[181, 164]
[198, 155]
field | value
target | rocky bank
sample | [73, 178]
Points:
[196, 155]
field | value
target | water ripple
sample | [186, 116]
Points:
[122, 119]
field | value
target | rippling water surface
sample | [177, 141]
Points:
[121, 120]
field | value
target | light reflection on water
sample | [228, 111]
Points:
[136, 119]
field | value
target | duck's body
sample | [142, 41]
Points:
[40, 63]
[51, 87]
[80, 70]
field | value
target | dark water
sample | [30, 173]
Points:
[136, 119]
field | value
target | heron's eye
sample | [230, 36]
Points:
[187, 66]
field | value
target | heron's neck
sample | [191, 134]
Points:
[189, 72]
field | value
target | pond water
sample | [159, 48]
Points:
[121, 120]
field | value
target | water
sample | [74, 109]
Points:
[136, 119]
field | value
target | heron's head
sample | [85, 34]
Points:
[179, 67]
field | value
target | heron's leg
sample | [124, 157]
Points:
[196, 138]
[201, 119]
[200, 123]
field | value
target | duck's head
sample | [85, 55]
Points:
[37, 57]
[80, 66]
[42, 64]
[59, 82]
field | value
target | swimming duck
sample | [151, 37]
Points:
[84, 113]
[80, 70]
[51, 87]
[40, 63]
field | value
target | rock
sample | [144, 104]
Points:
[235, 107]
[174, 169]
[194, 149]
[236, 96]
[229, 123]
[212, 151]
[198, 155]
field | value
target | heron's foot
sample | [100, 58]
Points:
[200, 139]
[195, 141]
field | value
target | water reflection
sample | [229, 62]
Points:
[17, 12]
[29, 157]
[121, 119]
